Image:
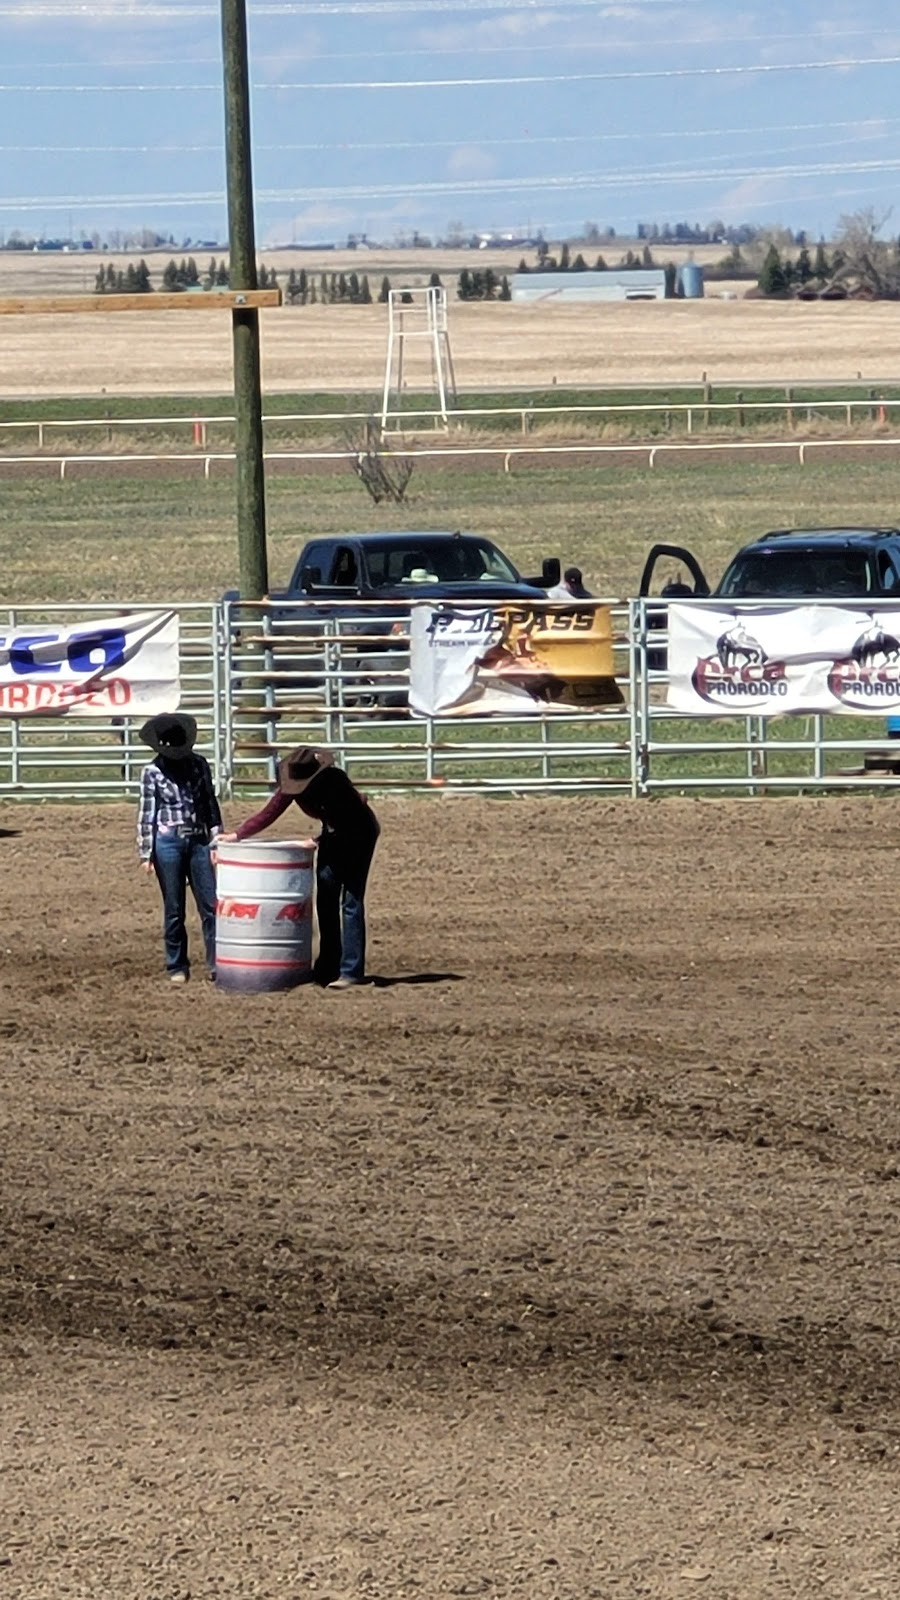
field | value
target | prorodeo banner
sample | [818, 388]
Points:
[126, 666]
[767, 661]
[510, 659]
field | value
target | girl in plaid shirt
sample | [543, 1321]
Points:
[178, 820]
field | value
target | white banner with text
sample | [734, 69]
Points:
[765, 661]
[124, 666]
[510, 659]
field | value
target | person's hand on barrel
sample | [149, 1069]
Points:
[226, 838]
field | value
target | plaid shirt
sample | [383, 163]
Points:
[183, 797]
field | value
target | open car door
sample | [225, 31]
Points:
[673, 589]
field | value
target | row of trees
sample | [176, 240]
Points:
[177, 276]
[862, 264]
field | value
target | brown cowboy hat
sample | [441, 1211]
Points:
[171, 733]
[299, 767]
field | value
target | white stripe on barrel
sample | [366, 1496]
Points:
[264, 901]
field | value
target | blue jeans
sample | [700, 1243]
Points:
[341, 875]
[179, 861]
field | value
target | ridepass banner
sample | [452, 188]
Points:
[126, 666]
[510, 660]
[766, 661]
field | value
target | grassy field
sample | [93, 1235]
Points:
[124, 538]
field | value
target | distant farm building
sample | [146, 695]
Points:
[645, 283]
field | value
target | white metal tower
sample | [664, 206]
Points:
[417, 314]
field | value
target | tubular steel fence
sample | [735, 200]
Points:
[261, 679]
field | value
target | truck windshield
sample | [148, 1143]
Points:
[798, 572]
[450, 561]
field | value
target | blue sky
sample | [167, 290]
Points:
[382, 116]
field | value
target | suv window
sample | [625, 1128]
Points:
[888, 579]
[791, 573]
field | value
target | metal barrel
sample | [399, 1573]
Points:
[691, 278]
[264, 904]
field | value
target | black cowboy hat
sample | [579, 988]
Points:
[299, 767]
[171, 733]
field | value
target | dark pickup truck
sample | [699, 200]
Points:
[396, 569]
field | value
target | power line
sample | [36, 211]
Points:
[559, 46]
[515, 81]
[868, 128]
[560, 183]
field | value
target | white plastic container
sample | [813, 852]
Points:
[264, 915]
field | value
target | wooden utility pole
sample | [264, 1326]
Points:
[251, 496]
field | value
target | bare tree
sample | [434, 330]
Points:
[868, 264]
[385, 476]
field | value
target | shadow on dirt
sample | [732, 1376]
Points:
[417, 977]
[10, 833]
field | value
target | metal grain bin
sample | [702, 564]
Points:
[690, 276]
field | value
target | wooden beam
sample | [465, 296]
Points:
[203, 300]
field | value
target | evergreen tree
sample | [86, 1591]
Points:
[142, 281]
[505, 290]
[384, 292]
[803, 267]
[434, 282]
[191, 276]
[365, 293]
[303, 286]
[600, 265]
[110, 278]
[564, 258]
[211, 273]
[579, 264]
[262, 276]
[523, 266]
[820, 266]
[464, 287]
[223, 275]
[170, 277]
[100, 282]
[772, 279]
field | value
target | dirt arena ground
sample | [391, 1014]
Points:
[559, 1263]
[497, 346]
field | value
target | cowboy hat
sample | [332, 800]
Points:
[171, 733]
[299, 767]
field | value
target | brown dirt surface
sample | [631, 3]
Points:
[559, 1263]
[496, 346]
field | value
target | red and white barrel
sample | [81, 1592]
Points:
[264, 904]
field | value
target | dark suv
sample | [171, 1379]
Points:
[789, 564]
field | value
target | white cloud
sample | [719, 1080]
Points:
[470, 161]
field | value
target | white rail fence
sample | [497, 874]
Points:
[259, 682]
[874, 406]
[520, 455]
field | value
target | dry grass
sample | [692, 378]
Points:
[344, 348]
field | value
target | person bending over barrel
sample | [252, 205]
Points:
[309, 779]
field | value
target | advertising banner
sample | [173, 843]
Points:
[767, 661]
[125, 666]
[510, 660]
